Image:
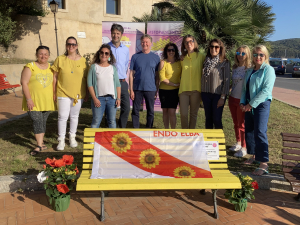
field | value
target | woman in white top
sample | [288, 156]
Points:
[104, 87]
[242, 61]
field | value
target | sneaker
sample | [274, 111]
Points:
[241, 153]
[61, 144]
[73, 142]
[235, 147]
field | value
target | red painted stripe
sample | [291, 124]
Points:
[167, 163]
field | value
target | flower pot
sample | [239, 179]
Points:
[61, 203]
[241, 207]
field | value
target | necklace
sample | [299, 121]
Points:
[73, 64]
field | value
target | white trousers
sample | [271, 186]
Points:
[66, 109]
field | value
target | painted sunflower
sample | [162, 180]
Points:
[149, 158]
[184, 172]
[121, 142]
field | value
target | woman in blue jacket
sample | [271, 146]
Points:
[104, 87]
[255, 102]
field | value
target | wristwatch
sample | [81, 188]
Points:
[222, 97]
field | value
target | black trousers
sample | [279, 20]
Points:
[149, 100]
[125, 105]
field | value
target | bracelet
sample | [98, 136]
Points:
[28, 99]
[118, 99]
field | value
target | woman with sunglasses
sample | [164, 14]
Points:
[169, 75]
[104, 87]
[190, 83]
[69, 87]
[255, 102]
[215, 84]
[242, 62]
[36, 80]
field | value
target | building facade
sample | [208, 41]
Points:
[78, 18]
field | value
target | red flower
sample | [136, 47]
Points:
[44, 166]
[68, 159]
[77, 171]
[254, 184]
[62, 188]
[59, 163]
[50, 162]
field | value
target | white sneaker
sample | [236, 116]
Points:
[61, 144]
[241, 153]
[235, 147]
[73, 142]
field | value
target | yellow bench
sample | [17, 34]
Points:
[222, 178]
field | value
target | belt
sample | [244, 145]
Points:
[122, 80]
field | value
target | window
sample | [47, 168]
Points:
[112, 7]
[61, 3]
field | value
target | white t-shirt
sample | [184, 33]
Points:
[238, 75]
[105, 80]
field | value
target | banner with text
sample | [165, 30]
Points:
[149, 154]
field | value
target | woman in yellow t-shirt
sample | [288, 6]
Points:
[169, 76]
[69, 90]
[36, 80]
[190, 83]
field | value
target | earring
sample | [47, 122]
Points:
[109, 59]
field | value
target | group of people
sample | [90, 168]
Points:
[187, 79]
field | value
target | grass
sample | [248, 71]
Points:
[17, 138]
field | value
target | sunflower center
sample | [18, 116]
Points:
[184, 173]
[149, 158]
[121, 142]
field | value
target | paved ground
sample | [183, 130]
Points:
[10, 106]
[288, 82]
[159, 207]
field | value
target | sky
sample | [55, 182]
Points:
[287, 19]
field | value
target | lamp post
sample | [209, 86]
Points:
[54, 8]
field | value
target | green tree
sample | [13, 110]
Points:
[235, 22]
[9, 9]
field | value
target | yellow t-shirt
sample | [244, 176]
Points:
[72, 77]
[41, 89]
[191, 72]
[172, 72]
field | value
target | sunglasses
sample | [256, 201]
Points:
[214, 46]
[71, 44]
[104, 53]
[171, 50]
[240, 53]
[256, 55]
[189, 42]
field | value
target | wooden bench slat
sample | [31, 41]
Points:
[290, 164]
[290, 135]
[291, 145]
[292, 177]
[291, 151]
[291, 157]
[293, 139]
[291, 170]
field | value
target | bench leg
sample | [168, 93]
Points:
[102, 216]
[15, 92]
[297, 198]
[214, 192]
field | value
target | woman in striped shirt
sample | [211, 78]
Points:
[215, 84]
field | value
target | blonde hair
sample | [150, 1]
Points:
[264, 50]
[248, 60]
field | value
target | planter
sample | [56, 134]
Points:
[60, 203]
[241, 207]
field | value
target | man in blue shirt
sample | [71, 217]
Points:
[121, 53]
[143, 81]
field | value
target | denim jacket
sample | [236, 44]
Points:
[260, 86]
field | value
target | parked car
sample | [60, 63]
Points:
[296, 69]
[278, 65]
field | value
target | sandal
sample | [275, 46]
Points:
[265, 171]
[35, 152]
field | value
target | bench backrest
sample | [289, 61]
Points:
[3, 80]
[209, 135]
[291, 158]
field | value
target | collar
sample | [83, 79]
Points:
[112, 45]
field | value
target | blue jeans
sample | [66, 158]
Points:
[213, 115]
[108, 105]
[256, 125]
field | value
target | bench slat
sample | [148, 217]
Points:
[291, 145]
[292, 177]
[291, 151]
[293, 139]
[291, 170]
[291, 157]
[290, 135]
[290, 164]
